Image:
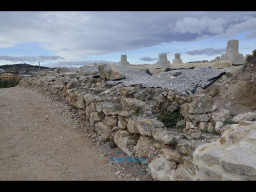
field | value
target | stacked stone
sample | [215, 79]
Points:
[232, 55]
[123, 62]
[127, 116]
[162, 61]
[177, 59]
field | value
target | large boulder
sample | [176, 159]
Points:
[232, 157]
[109, 72]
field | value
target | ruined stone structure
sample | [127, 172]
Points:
[177, 59]
[232, 55]
[123, 61]
[162, 61]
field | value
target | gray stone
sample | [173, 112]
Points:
[145, 148]
[132, 104]
[164, 136]
[108, 108]
[201, 104]
[109, 72]
[161, 169]
[171, 155]
[73, 83]
[110, 121]
[104, 131]
[131, 125]
[221, 115]
[125, 141]
[80, 101]
[92, 98]
[241, 162]
[249, 116]
[122, 123]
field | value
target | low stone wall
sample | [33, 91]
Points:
[129, 117]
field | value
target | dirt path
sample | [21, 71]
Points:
[37, 144]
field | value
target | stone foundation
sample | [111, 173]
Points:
[128, 116]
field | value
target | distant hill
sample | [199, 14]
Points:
[22, 67]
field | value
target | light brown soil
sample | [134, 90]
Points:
[38, 144]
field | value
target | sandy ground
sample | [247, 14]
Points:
[37, 144]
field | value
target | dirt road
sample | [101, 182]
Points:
[37, 144]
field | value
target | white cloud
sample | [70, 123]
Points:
[199, 25]
[248, 24]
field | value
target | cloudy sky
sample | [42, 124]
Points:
[85, 37]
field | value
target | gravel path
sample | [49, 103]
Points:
[37, 144]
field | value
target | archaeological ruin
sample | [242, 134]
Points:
[123, 61]
[232, 55]
[177, 59]
[162, 61]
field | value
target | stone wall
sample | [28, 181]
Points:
[128, 116]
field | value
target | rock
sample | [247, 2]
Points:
[171, 155]
[162, 169]
[183, 173]
[145, 126]
[90, 98]
[80, 101]
[125, 141]
[210, 127]
[131, 125]
[110, 121]
[95, 117]
[232, 156]
[221, 115]
[190, 125]
[122, 123]
[164, 136]
[73, 83]
[184, 109]
[171, 96]
[187, 147]
[132, 104]
[181, 123]
[125, 113]
[202, 126]
[250, 116]
[104, 131]
[145, 148]
[180, 99]
[108, 108]
[109, 72]
[218, 126]
[173, 107]
[201, 104]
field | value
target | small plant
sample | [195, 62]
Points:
[229, 121]
[251, 58]
[109, 86]
[170, 119]
[94, 81]
[137, 111]
[173, 144]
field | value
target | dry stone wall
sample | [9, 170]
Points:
[128, 117]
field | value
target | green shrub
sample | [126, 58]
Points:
[170, 119]
[251, 58]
